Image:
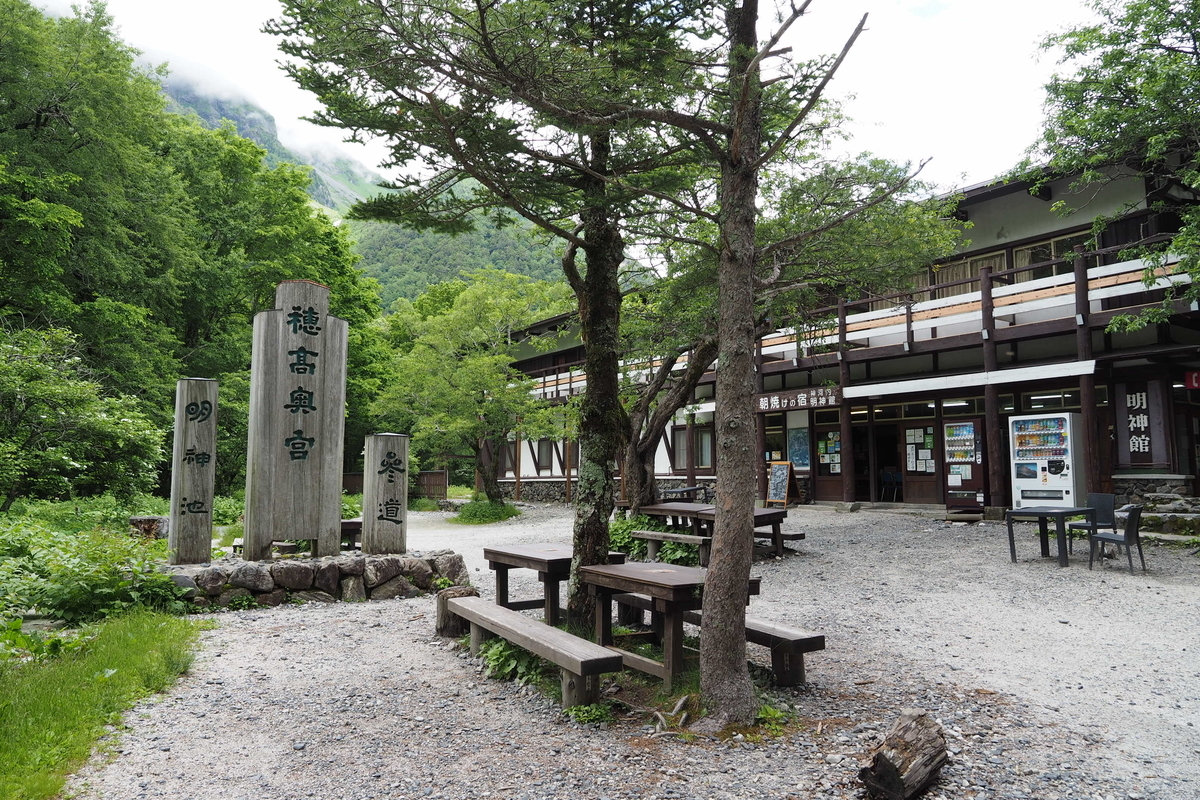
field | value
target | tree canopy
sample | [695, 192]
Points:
[1125, 104]
[151, 239]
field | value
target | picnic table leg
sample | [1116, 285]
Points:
[501, 583]
[777, 539]
[672, 645]
[1061, 525]
[1044, 535]
[1012, 543]
[603, 615]
[550, 588]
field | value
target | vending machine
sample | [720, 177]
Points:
[1046, 460]
[964, 473]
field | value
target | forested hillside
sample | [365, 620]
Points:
[407, 262]
[135, 248]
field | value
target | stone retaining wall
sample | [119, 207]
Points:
[1136, 488]
[554, 490]
[351, 577]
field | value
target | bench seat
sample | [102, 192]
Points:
[654, 540]
[787, 644]
[581, 661]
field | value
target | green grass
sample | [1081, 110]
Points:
[483, 512]
[460, 492]
[53, 711]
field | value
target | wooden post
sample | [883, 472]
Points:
[996, 457]
[297, 422]
[567, 468]
[1087, 383]
[385, 494]
[690, 435]
[847, 430]
[517, 467]
[193, 472]
[760, 424]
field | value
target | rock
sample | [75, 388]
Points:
[314, 596]
[212, 580]
[202, 602]
[451, 566]
[188, 584]
[451, 625]
[226, 597]
[326, 577]
[351, 565]
[418, 572]
[253, 576]
[381, 569]
[709, 726]
[294, 575]
[272, 599]
[353, 589]
[151, 527]
[398, 586]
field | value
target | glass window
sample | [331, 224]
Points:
[679, 445]
[1050, 250]
[827, 416]
[704, 447]
[545, 454]
[888, 412]
[1050, 399]
[962, 406]
[918, 410]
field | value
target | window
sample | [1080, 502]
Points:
[967, 269]
[545, 455]
[1050, 250]
[679, 448]
[704, 447]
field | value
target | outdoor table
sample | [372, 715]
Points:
[553, 564]
[762, 518]
[1042, 514]
[676, 512]
[687, 493]
[674, 590]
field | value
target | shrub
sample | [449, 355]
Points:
[481, 513]
[422, 504]
[506, 662]
[227, 510]
[352, 506]
[620, 537]
[81, 576]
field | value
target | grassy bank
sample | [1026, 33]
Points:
[53, 709]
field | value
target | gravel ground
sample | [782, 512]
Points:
[1050, 683]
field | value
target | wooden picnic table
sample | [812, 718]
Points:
[700, 517]
[553, 564]
[674, 590]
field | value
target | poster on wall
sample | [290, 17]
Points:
[799, 448]
[911, 458]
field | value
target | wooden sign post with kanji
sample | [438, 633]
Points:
[193, 472]
[385, 494]
[297, 411]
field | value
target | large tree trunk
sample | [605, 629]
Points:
[724, 677]
[489, 469]
[601, 418]
[641, 488]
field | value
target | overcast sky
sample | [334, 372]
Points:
[958, 81]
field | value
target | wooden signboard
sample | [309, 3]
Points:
[779, 481]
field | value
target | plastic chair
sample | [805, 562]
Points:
[888, 480]
[1130, 538]
[1106, 516]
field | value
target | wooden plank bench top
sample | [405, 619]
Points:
[581, 661]
[787, 644]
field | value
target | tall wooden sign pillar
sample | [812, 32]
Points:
[193, 471]
[385, 494]
[297, 406]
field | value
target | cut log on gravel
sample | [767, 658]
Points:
[450, 625]
[908, 760]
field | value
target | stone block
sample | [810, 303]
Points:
[212, 580]
[294, 575]
[326, 576]
[381, 569]
[353, 589]
[398, 586]
[418, 572]
[253, 576]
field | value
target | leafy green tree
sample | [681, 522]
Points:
[454, 388]
[597, 121]
[60, 435]
[1125, 105]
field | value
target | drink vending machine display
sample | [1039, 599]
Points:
[964, 476]
[1045, 453]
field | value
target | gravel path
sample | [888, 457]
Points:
[1051, 683]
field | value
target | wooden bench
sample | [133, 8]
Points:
[582, 662]
[654, 540]
[787, 644]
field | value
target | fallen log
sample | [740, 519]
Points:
[908, 760]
